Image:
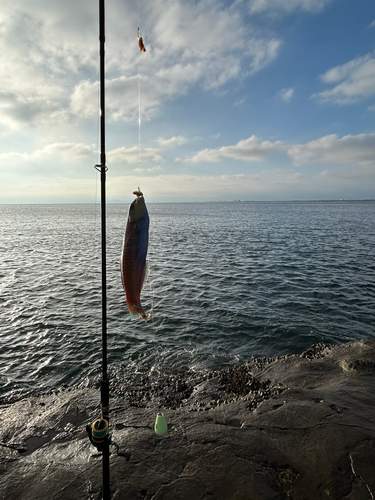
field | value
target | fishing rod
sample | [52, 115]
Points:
[104, 385]
[103, 170]
[98, 431]
[99, 434]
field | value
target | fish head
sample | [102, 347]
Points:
[137, 209]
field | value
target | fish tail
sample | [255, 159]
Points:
[135, 312]
[140, 315]
[146, 318]
[134, 316]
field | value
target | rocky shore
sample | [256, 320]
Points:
[298, 427]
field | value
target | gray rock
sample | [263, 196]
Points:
[296, 427]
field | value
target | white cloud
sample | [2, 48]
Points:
[355, 81]
[359, 149]
[49, 67]
[287, 6]
[157, 168]
[44, 46]
[262, 52]
[330, 149]
[45, 189]
[61, 151]
[30, 107]
[121, 99]
[276, 184]
[161, 83]
[269, 184]
[286, 94]
[172, 142]
[131, 155]
[251, 149]
[76, 152]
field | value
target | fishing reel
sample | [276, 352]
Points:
[101, 438]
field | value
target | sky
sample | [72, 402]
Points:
[250, 100]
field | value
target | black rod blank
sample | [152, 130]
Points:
[104, 388]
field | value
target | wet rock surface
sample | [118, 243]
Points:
[295, 427]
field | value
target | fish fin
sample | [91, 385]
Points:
[134, 316]
[134, 312]
[145, 276]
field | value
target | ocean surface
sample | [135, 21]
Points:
[228, 281]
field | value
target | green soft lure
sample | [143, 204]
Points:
[161, 426]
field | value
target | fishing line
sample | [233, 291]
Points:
[138, 13]
[151, 313]
[96, 238]
[139, 123]
[139, 117]
[140, 170]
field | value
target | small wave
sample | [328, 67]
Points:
[7, 281]
[228, 282]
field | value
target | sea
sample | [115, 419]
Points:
[228, 282]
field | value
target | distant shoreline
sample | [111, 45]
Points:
[212, 202]
[293, 201]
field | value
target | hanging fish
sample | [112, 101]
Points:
[134, 269]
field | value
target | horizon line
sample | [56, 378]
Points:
[329, 200]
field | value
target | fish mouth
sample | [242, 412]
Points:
[137, 209]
